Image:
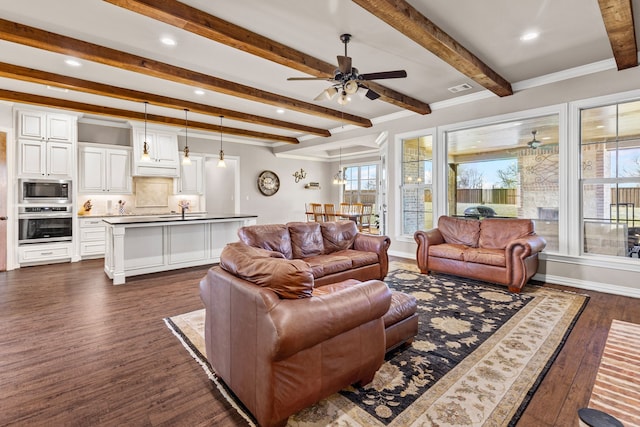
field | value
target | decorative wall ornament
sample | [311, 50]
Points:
[268, 183]
[299, 175]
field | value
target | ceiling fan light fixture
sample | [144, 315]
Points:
[351, 87]
[344, 98]
[534, 143]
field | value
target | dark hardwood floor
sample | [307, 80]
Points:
[77, 351]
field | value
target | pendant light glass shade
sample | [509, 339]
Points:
[338, 178]
[185, 158]
[221, 163]
[145, 146]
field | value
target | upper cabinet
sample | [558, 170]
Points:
[45, 145]
[163, 153]
[191, 177]
[104, 169]
[45, 126]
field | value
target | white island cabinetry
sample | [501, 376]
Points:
[142, 245]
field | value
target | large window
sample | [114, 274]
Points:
[507, 169]
[610, 179]
[417, 207]
[361, 184]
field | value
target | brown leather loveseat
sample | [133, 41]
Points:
[497, 250]
[279, 342]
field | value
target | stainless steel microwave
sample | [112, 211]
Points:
[45, 191]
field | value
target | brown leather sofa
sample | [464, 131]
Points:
[279, 342]
[497, 250]
[335, 250]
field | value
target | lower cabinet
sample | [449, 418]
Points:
[44, 253]
[92, 237]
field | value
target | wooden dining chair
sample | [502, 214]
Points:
[318, 214]
[308, 210]
[330, 212]
[365, 218]
[345, 207]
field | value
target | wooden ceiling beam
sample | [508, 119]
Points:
[40, 39]
[42, 77]
[203, 24]
[27, 98]
[618, 20]
[408, 21]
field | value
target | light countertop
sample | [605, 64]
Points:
[191, 217]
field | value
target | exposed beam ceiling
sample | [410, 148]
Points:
[27, 98]
[618, 20]
[40, 39]
[72, 83]
[198, 22]
[407, 20]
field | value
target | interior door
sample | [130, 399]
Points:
[3, 205]
[383, 195]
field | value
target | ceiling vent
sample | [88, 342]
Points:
[460, 88]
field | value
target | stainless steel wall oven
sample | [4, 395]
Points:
[44, 224]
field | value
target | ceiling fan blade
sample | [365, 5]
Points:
[344, 64]
[309, 78]
[398, 74]
[372, 95]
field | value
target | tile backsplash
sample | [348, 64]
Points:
[150, 196]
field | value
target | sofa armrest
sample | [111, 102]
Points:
[335, 313]
[379, 245]
[525, 246]
[424, 239]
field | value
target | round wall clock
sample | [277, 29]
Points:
[268, 183]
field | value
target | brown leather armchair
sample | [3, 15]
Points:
[497, 250]
[277, 347]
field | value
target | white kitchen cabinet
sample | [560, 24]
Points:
[191, 177]
[43, 126]
[163, 153]
[104, 169]
[92, 237]
[44, 253]
[45, 159]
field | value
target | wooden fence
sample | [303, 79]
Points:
[496, 196]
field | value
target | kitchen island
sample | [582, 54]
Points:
[147, 244]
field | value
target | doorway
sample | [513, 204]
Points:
[222, 194]
[3, 205]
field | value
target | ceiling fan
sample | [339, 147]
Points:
[534, 143]
[347, 79]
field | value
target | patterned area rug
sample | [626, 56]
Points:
[479, 356]
[617, 387]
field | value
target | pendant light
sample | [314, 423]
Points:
[221, 163]
[185, 158]
[338, 179]
[145, 146]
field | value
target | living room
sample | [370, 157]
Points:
[592, 82]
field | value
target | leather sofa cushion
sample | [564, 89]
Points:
[273, 237]
[338, 235]
[497, 233]
[323, 265]
[359, 258]
[289, 279]
[486, 256]
[449, 251]
[306, 239]
[459, 231]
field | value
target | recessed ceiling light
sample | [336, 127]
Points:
[528, 36]
[198, 92]
[72, 62]
[600, 127]
[280, 111]
[168, 41]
